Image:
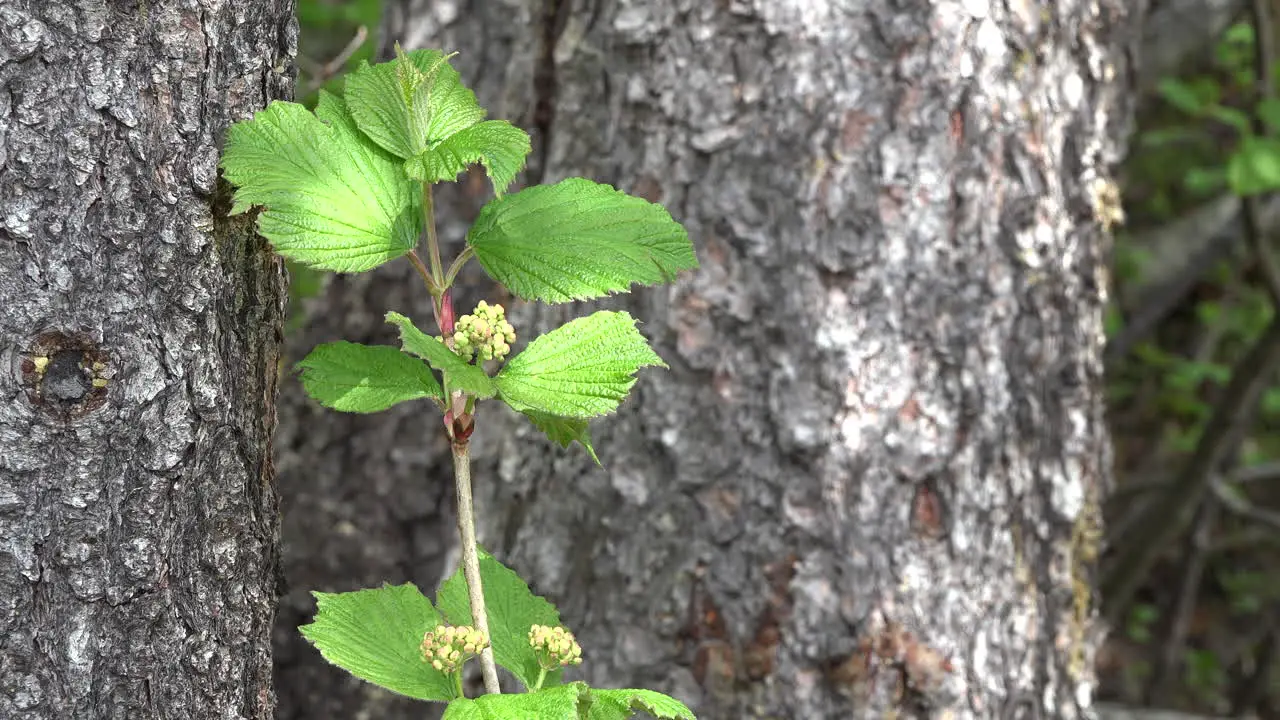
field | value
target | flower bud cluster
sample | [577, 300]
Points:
[485, 333]
[447, 648]
[554, 647]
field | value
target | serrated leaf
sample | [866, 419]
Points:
[622, 704]
[557, 703]
[564, 430]
[460, 374]
[582, 369]
[365, 378]
[333, 200]
[498, 145]
[577, 239]
[375, 634]
[417, 108]
[512, 609]
[410, 103]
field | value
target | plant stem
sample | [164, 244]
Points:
[433, 242]
[422, 270]
[436, 295]
[542, 677]
[471, 560]
[454, 267]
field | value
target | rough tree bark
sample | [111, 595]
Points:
[884, 406]
[139, 342]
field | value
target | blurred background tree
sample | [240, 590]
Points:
[1192, 574]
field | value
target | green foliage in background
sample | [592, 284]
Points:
[1209, 134]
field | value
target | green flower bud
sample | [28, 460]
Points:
[446, 648]
[554, 647]
[485, 332]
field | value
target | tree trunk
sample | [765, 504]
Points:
[870, 480]
[140, 342]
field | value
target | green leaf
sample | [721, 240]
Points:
[375, 634]
[1189, 98]
[564, 430]
[459, 374]
[513, 609]
[622, 704]
[1269, 110]
[577, 239]
[497, 144]
[557, 703]
[1241, 33]
[333, 200]
[1255, 166]
[365, 378]
[417, 108]
[411, 102]
[1237, 119]
[581, 369]
[1205, 180]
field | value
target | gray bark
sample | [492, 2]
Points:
[139, 345]
[884, 407]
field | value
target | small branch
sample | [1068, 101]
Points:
[422, 270]
[1164, 519]
[1252, 539]
[331, 68]
[1170, 247]
[1250, 693]
[1185, 605]
[1161, 300]
[1238, 504]
[1257, 473]
[1266, 472]
[471, 560]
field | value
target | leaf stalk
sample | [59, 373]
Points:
[457, 265]
[433, 241]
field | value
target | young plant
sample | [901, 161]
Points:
[348, 189]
